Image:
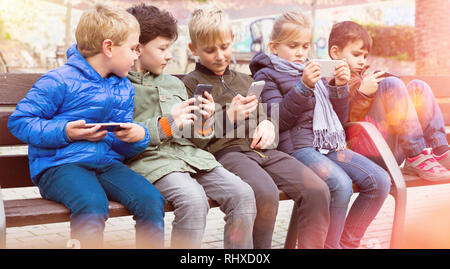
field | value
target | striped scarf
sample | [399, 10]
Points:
[328, 131]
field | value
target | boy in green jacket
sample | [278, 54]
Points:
[184, 174]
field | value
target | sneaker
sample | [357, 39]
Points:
[426, 166]
[444, 159]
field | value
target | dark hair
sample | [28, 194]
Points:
[154, 22]
[347, 31]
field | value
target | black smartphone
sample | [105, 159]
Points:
[386, 74]
[110, 126]
[200, 89]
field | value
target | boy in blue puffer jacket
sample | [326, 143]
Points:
[80, 166]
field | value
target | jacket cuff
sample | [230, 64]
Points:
[166, 127]
[366, 96]
[304, 89]
[144, 142]
[65, 136]
[338, 91]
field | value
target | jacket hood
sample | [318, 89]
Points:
[76, 60]
[140, 77]
[260, 61]
[135, 77]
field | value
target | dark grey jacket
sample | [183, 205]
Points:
[296, 104]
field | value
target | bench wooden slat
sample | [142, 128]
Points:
[6, 138]
[36, 211]
[415, 181]
[15, 172]
[14, 86]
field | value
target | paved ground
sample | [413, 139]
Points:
[120, 233]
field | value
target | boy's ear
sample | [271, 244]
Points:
[192, 49]
[107, 47]
[335, 52]
[139, 49]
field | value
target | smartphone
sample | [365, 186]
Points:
[110, 126]
[386, 74]
[200, 89]
[327, 67]
[256, 88]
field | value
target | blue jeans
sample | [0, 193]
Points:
[339, 170]
[408, 117]
[85, 189]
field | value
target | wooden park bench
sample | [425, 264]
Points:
[35, 211]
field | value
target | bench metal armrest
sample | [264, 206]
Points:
[398, 187]
[371, 132]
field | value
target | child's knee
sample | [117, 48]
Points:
[378, 182]
[243, 198]
[392, 86]
[419, 87]
[151, 197]
[341, 189]
[92, 203]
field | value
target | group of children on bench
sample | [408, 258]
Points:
[114, 73]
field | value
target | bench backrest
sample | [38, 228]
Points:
[14, 171]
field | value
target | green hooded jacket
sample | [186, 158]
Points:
[155, 98]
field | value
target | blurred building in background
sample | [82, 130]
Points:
[47, 27]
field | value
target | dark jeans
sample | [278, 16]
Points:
[281, 171]
[339, 170]
[409, 118]
[85, 189]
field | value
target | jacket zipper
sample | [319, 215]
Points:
[108, 102]
[222, 80]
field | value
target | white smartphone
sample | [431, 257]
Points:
[327, 67]
[256, 88]
[110, 126]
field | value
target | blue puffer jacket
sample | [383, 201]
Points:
[296, 104]
[72, 92]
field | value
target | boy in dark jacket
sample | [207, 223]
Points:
[264, 169]
[408, 117]
[79, 166]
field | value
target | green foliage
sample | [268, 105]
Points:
[395, 42]
[3, 33]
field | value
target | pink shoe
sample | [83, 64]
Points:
[426, 166]
[444, 159]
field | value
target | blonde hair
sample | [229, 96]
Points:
[208, 25]
[100, 23]
[287, 26]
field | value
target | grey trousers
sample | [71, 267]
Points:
[279, 170]
[188, 194]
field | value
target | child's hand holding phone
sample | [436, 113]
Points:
[311, 74]
[130, 132]
[241, 107]
[342, 74]
[369, 84]
[183, 113]
[207, 105]
[77, 130]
